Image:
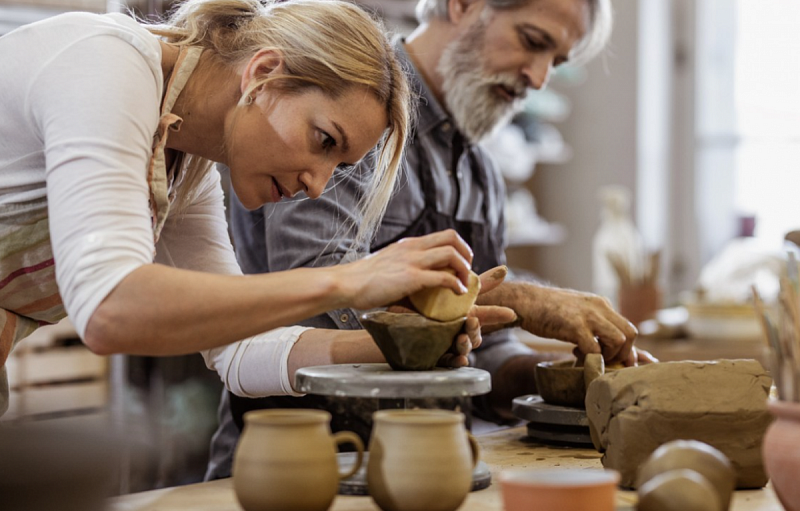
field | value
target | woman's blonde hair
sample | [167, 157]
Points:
[330, 45]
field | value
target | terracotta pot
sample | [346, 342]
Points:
[286, 459]
[639, 302]
[559, 489]
[420, 460]
[781, 450]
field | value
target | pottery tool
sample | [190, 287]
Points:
[621, 268]
[782, 334]
[628, 276]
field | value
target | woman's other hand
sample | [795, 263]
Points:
[405, 267]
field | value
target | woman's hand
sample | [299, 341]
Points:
[405, 267]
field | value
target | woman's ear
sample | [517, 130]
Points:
[261, 65]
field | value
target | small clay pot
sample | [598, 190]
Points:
[695, 455]
[563, 383]
[678, 490]
[781, 449]
[411, 342]
[560, 383]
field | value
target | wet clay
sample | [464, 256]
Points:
[633, 411]
[411, 342]
[442, 304]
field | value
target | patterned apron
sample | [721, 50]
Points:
[29, 296]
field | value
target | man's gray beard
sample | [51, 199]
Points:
[476, 109]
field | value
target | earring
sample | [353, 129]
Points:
[248, 100]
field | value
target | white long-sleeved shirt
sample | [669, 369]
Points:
[80, 101]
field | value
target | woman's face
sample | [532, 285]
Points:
[282, 144]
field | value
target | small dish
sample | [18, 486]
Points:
[561, 489]
[410, 341]
[723, 321]
[560, 383]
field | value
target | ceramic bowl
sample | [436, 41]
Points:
[409, 341]
[560, 383]
[561, 489]
[723, 321]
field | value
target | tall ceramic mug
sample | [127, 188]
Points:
[286, 459]
[420, 460]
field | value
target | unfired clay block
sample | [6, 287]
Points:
[442, 304]
[723, 403]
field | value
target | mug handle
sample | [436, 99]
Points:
[344, 437]
[476, 450]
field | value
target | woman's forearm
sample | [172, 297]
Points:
[323, 347]
[159, 310]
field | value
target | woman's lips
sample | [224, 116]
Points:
[276, 191]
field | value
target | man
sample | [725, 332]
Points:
[472, 61]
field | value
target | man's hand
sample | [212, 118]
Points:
[583, 319]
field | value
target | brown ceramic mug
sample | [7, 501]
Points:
[420, 460]
[286, 459]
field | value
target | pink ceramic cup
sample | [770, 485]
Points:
[559, 489]
[781, 449]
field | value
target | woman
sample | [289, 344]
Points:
[107, 134]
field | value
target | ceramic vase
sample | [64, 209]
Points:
[286, 460]
[781, 451]
[420, 460]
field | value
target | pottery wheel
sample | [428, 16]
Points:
[553, 424]
[356, 484]
[381, 381]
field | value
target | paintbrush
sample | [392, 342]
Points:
[621, 268]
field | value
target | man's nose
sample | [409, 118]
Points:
[537, 72]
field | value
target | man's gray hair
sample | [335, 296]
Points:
[598, 34]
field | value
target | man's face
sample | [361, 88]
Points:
[499, 54]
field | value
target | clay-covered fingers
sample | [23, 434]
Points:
[617, 343]
[492, 317]
[490, 279]
[614, 344]
[643, 357]
[457, 355]
[472, 327]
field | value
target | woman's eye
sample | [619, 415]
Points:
[327, 141]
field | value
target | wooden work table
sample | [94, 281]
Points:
[502, 449]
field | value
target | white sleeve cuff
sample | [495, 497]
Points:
[258, 366]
